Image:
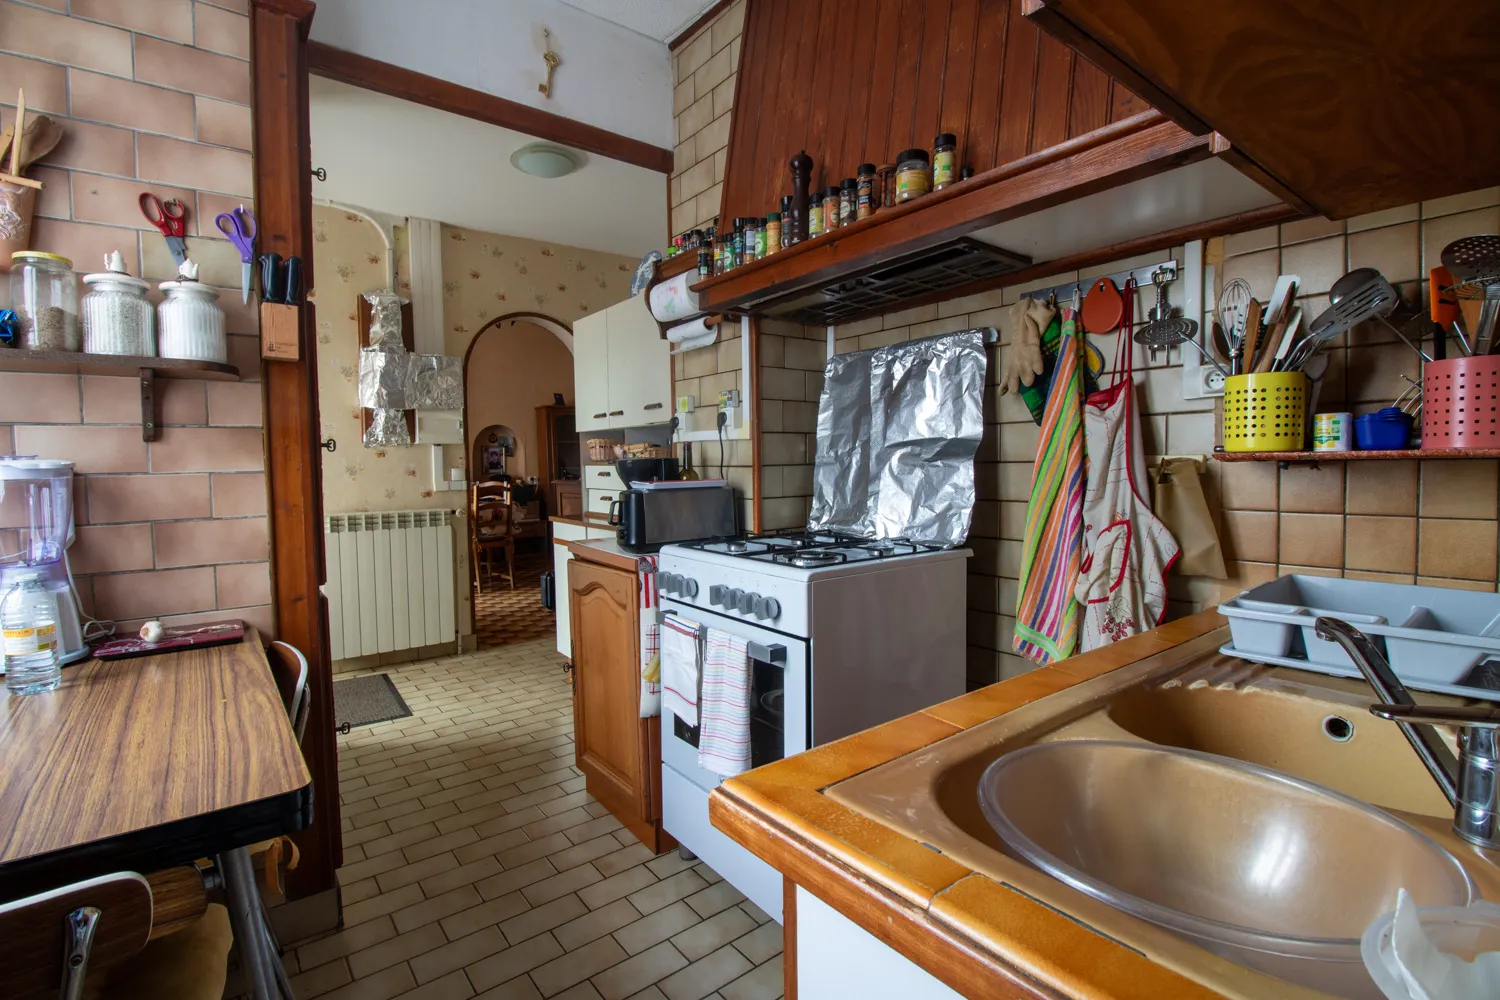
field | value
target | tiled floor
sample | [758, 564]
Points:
[503, 616]
[476, 864]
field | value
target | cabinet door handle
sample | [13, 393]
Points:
[653, 406]
[600, 416]
[617, 413]
[605, 474]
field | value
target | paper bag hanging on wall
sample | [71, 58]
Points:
[1182, 507]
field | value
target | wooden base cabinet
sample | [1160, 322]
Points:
[618, 752]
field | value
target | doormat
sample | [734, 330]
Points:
[366, 700]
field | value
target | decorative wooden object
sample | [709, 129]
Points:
[33, 946]
[279, 332]
[366, 313]
[618, 752]
[1330, 131]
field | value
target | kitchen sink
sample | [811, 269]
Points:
[1308, 726]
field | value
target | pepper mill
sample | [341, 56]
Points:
[802, 165]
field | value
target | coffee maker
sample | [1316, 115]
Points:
[36, 528]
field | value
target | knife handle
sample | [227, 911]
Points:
[293, 290]
[272, 285]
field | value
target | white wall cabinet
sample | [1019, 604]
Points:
[622, 371]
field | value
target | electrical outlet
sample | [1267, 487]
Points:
[729, 399]
[687, 404]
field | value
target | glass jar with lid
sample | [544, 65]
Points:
[117, 318]
[190, 322]
[913, 175]
[752, 239]
[44, 295]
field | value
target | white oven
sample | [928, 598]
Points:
[779, 723]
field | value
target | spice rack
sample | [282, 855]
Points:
[666, 270]
[147, 370]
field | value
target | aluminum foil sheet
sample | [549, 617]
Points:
[385, 320]
[384, 378]
[437, 382]
[387, 429]
[898, 428]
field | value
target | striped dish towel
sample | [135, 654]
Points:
[680, 668]
[1046, 611]
[650, 639]
[724, 709]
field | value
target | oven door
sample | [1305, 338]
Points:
[778, 697]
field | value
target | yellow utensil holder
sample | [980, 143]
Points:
[1266, 412]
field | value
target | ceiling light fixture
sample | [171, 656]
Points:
[546, 161]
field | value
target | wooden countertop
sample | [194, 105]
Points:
[146, 763]
[605, 551]
[976, 935]
[586, 521]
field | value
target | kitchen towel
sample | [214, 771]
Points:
[724, 739]
[1052, 548]
[674, 300]
[650, 639]
[680, 655]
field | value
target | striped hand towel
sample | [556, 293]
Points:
[724, 739]
[1046, 611]
[679, 668]
[650, 639]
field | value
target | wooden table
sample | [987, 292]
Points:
[146, 763]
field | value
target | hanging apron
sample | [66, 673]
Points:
[1046, 612]
[1122, 582]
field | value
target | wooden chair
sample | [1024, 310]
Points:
[290, 669]
[91, 939]
[491, 526]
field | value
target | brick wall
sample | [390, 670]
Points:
[153, 95]
[1409, 522]
[705, 69]
[791, 379]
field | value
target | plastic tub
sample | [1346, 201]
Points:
[1458, 402]
[1385, 430]
[1268, 638]
[1331, 653]
[1265, 412]
[1464, 931]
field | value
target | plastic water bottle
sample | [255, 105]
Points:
[28, 621]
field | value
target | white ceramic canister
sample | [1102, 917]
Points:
[117, 317]
[1333, 431]
[190, 324]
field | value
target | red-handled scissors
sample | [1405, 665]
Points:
[170, 218]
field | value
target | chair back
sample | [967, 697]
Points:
[49, 941]
[289, 667]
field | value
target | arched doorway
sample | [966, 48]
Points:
[514, 366]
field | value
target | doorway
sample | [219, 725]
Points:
[522, 451]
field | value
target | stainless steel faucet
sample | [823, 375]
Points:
[1472, 782]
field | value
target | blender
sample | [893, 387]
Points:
[36, 528]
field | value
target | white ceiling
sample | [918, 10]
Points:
[405, 159]
[662, 20]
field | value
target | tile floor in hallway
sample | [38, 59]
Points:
[475, 864]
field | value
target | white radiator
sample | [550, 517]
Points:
[390, 581]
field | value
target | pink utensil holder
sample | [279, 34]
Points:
[1461, 403]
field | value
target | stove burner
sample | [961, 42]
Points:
[736, 547]
[809, 559]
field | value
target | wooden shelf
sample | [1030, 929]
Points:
[1288, 457]
[145, 370]
[118, 365]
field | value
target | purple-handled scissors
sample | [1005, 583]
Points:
[239, 226]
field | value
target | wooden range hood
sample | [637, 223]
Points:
[1070, 168]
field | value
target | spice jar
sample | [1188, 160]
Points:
[848, 201]
[117, 319]
[815, 218]
[705, 260]
[944, 160]
[752, 239]
[864, 191]
[885, 186]
[190, 323]
[789, 235]
[830, 208]
[44, 295]
[912, 176]
[736, 245]
[773, 232]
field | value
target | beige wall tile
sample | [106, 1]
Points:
[46, 84]
[1467, 201]
[1465, 488]
[219, 30]
[141, 595]
[166, 18]
[186, 449]
[203, 543]
[1249, 485]
[1439, 581]
[190, 165]
[1457, 548]
[1309, 490]
[728, 26]
[1388, 217]
[90, 449]
[1250, 536]
[234, 404]
[1313, 539]
[86, 245]
[192, 70]
[100, 148]
[53, 201]
[1438, 233]
[1309, 229]
[41, 399]
[238, 494]
[1319, 263]
[223, 124]
[1394, 251]
[112, 201]
[1382, 488]
[67, 40]
[138, 106]
[108, 400]
[114, 499]
[111, 548]
[1388, 544]
[243, 584]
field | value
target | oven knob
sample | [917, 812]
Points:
[717, 594]
[768, 608]
[666, 582]
[690, 588]
[747, 602]
[733, 598]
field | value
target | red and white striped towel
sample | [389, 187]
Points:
[679, 668]
[724, 710]
[650, 639]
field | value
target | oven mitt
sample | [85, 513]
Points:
[1024, 359]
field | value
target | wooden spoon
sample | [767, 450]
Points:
[41, 138]
[1252, 335]
[20, 134]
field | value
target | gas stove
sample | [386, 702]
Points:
[811, 549]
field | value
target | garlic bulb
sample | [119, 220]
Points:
[153, 631]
